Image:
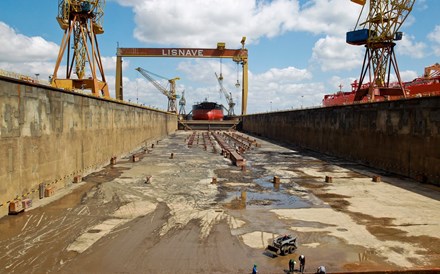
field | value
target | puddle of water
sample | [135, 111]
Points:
[274, 200]
[268, 195]
[266, 182]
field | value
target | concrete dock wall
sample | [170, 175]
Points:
[402, 137]
[49, 136]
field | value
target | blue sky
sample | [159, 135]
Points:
[297, 49]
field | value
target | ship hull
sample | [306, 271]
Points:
[417, 88]
[207, 111]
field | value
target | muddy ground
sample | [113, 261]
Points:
[177, 221]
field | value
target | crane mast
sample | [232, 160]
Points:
[81, 21]
[378, 34]
[170, 94]
[182, 104]
[227, 95]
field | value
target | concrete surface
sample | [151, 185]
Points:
[117, 221]
[398, 136]
[50, 136]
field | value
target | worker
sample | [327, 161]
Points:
[321, 270]
[302, 263]
[292, 265]
[254, 269]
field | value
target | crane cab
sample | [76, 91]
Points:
[359, 37]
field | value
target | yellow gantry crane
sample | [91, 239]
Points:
[239, 56]
[378, 33]
[81, 21]
[169, 93]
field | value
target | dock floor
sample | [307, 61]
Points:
[167, 214]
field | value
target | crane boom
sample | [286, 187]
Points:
[228, 96]
[170, 94]
[432, 71]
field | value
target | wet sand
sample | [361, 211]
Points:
[115, 222]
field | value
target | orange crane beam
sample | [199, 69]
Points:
[237, 55]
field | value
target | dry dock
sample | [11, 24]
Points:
[166, 214]
[116, 188]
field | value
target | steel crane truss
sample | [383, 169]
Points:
[80, 20]
[237, 55]
[381, 29]
[182, 103]
[227, 95]
[170, 94]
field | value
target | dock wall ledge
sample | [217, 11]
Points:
[51, 136]
[401, 137]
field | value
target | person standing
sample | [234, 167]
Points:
[254, 269]
[302, 263]
[292, 265]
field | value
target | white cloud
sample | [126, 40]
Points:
[203, 23]
[408, 47]
[283, 87]
[202, 71]
[36, 57]
[434, 37]
[332, 53]
[333, 17]
[143, 92]
[407, 75]
[285, 75]
[16, 48]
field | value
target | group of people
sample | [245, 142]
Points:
[302, 264]
[292, 263]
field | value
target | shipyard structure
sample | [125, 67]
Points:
[50, 137]
[93, 184]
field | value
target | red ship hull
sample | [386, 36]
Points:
[207, 111]
[419, 87]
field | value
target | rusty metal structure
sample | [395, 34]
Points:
[378, 34]
[81, 21]
[240, 56]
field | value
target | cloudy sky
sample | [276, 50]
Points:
[297, 49]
